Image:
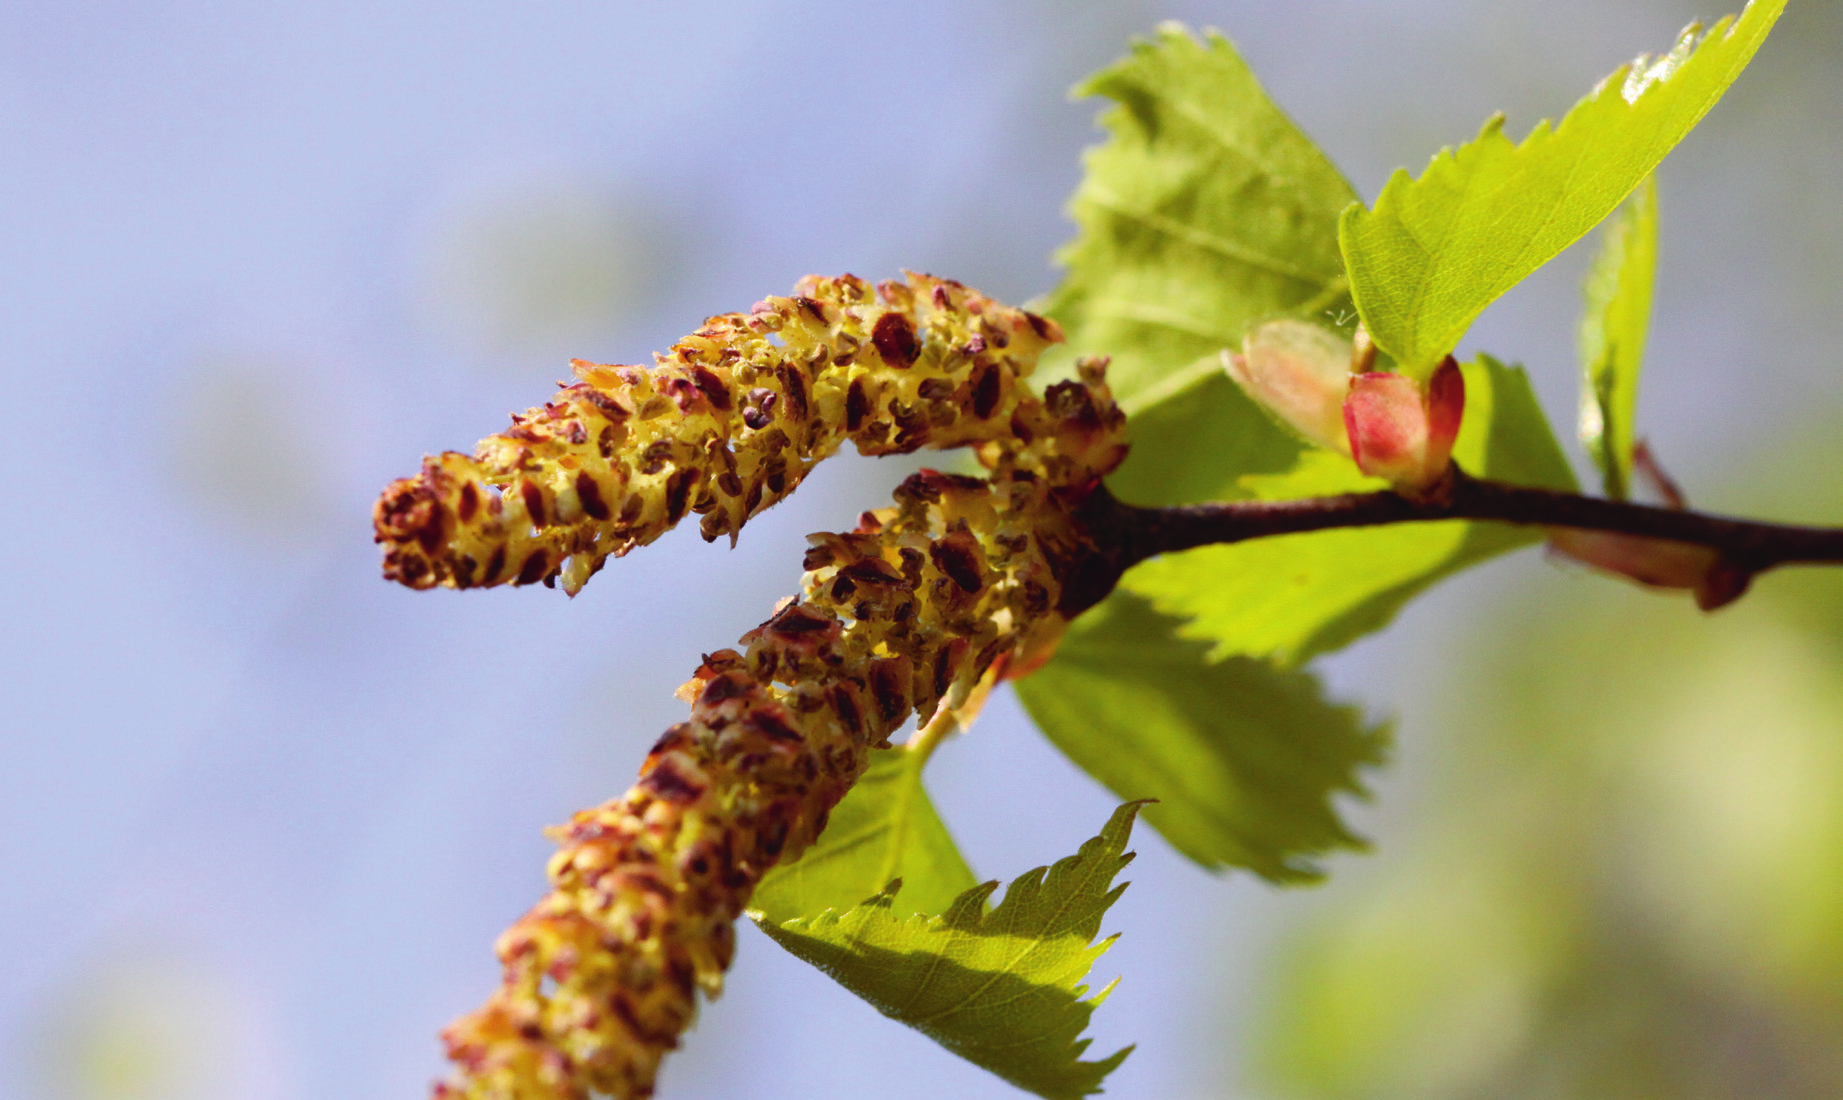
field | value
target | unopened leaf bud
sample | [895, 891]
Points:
[1656, 563]
[1402, 431]
[1299, 373]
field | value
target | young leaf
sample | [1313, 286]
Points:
[1196, 445]
[1243, 757]
[1437, 250]
[1613, 330]
[1000, 986]
[1205, 210]
[885, 829]
[1291, 597]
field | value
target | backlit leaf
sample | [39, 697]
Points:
[1438, 249]
[1613, 329]
[1205, 211]
[999, 986]
[1243, 757]
[886, 828]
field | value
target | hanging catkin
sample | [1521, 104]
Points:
[920, 607]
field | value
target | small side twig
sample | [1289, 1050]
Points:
[1646, 466]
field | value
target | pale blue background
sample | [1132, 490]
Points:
[262, 814]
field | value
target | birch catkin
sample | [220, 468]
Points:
[728, 422]
[922, 606]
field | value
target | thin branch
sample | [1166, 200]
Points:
[1125, 535]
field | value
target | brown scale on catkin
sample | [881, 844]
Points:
[915, 613]
[726, 423]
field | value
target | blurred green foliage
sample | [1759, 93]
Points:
[1613, 328]
[1625, 880]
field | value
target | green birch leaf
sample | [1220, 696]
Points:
[1244, 758]
[1294, 596]
[1613, 328]
[1228, 437]
[1205, 210]
[1437, 250]
[999, 986]
[886, 828]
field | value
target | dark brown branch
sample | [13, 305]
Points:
[1124, 534]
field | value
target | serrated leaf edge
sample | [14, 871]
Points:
[1633, 79]
[970, 909]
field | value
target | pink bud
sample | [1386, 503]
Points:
[1401, 432]
[1299, 373]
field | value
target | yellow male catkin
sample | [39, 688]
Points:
[920, 607]
[726, 423]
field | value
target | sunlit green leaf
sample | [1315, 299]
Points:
[1244, 758]
[998, 986]
[1205, 211]
[1227, 436]
[1294, 596]
[1437, 250]
[1613, 331]
[886, 828]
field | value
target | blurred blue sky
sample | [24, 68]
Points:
[262, 814]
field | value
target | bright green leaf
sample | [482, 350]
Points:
[1244, 758]
[998, 986]
[1205, 211]
[1196, 446]
[1613, 331]
[886, 828]
[1437, 250]
[1290, 597]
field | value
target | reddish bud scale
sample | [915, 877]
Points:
[1403, 432]
[725, 424]
[920, 607]
[1657, 563]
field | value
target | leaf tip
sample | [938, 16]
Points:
[1106, 991]
[1174, 29]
